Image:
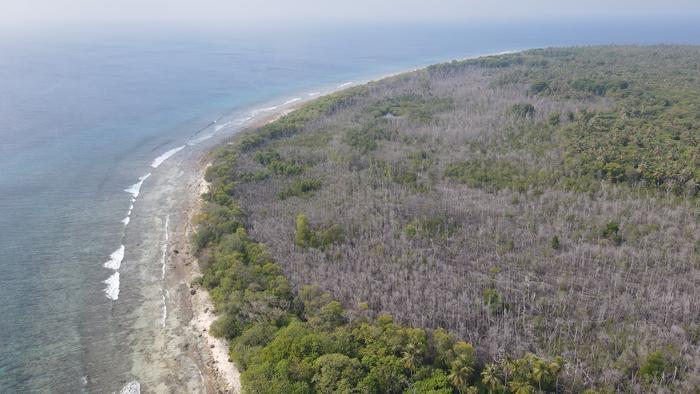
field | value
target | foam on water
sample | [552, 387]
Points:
[266, 109]
[196, 138]
[221, 126]
[164, 248]
[243, 120]
[127, 219]
[133, 387]
[135, 189]
[165, 308]
[115, 259]
[314, 94]
[294, 100]
[195, 141]
[165, 156]
[342, 85]
[112, 289]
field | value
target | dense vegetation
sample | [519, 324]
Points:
[302, 342]
[529, 220]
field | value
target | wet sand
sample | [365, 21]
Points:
[171, 349]
[223, 374]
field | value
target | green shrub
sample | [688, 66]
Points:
[493, 299]
[266, 157]
[598, 88]
[436, 227]
[365, 139]
[612, 232]
[523, 110]
[412, 106]
[437, 383]
[491, 175]
[410, 230]
[300, 188]
[539, 87]
[225, 326]
[255, 176]
[655, 366]
[285, 168]
[554, 243]
[554, 118]
[336, 373]
[307, 237]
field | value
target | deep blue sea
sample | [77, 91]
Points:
[83, 114]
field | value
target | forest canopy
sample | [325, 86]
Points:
[518, 223]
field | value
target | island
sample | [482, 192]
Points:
[517, 223]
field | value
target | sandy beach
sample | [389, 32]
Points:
[171, 348]
[181, 354]
[218, 374]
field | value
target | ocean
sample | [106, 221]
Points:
[91, 121]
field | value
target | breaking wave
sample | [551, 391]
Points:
[165, 156]
[115, 259]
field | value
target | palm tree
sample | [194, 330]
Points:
[540, 371]
[489, 377]
[410, 356]
[520, 387]
[555, 368]
[460, 374]
[472, 390]
[509, 368]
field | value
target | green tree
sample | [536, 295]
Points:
[330, 316]
[554, 243]
[303, 231]
[336, 373]
[311, 300]
[226, 326]
[441, 343]
[386, 375]
[437, 383]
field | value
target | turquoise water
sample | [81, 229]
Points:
[84, 115]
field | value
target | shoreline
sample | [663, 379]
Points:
[170, 346]
[223, 375]
[217, 373]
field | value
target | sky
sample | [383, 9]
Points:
[37, 13]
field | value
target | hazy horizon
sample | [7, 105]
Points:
[41, 14]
